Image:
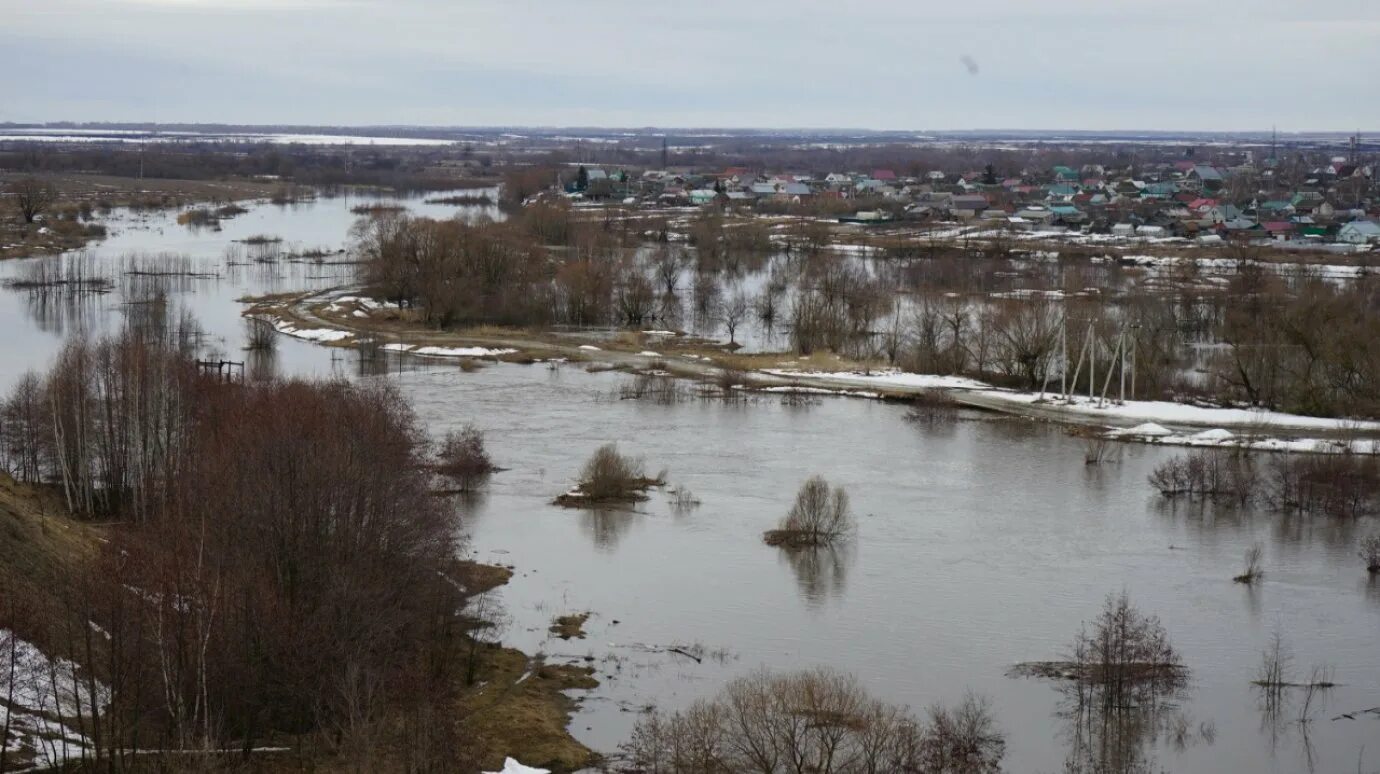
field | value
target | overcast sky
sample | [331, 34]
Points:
[882, 64]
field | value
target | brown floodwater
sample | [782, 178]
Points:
[982, 542]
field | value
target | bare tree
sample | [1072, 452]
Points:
[734, 311]
[819, 517]
[32, 196]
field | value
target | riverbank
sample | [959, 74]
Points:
[344, 317]
[516, 706]
[75, 218]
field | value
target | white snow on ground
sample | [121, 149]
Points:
[43, 691]
[589, 347]
[1147, 430]
[461, 351]
[1221, 438]
[649, 353]
[884, 379]
[447, 351]
[310, 334]
[1164, 412]
[511, 766]
[365, 302]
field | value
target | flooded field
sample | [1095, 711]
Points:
[982, 541]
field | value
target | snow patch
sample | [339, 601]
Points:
[310, 334]
[884, 379]
[1149, 429]
[1181, 414]
[511, 766]
[461, 351]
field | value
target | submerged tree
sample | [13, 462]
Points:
[820, 517]
[1116, 702]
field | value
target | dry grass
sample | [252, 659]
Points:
[525, 718]
[569, 626]
[41, 547]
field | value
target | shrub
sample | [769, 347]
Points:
[1209, 475]
[1252, 572]
[819, 517]
[1326, 484]
[817, 721]
[464, 460]
[931, 407]
[1127, 658]
[610, 477]
[1370, 553]
[962, 740]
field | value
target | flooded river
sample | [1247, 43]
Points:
[982, 542]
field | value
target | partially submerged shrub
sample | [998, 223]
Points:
[610, 477]
[1325, 484]
[819, 517]
[817, 721]
[1253, 572]
[1370, 553]
[1125, 660]
[1096, 449]
[659, 389]
[464, 460]
[931, 406]
[1207, 475]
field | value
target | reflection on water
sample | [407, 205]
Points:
[606, 526]
[261, 364]
[63, 314]
[1289, 718]
[820, 571]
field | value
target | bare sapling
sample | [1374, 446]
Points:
[820, 517]
[1275, 671]
[1253, 570]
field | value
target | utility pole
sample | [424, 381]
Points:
[1064, 354]
[1092, 362]
[1122, 346]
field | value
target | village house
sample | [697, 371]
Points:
[1359, 232]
